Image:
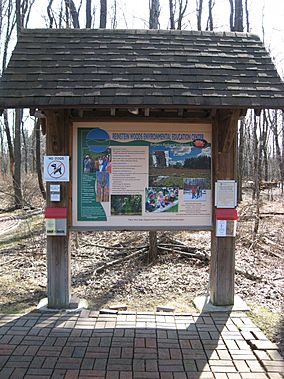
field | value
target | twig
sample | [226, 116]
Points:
[248, 275]
[114, 247]
[196, 255]
[116, 261]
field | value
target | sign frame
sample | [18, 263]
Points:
[137, 127]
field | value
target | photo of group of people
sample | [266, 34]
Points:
[161, 199]
[97, 162]
[194, 189]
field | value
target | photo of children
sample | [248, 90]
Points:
[161, 199]
[102, 186]
[126, 205]
[97, 162]
[194, 189]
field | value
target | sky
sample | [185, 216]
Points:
[266, 19]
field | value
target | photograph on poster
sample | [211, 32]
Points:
[126, 205]
[163, 199]
[94, 162]
[166, 181]
[180, 160]
[102, 186]
[194, 189]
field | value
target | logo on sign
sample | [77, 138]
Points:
[56, 169]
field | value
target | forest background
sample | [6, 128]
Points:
[259, 253]
[260, 138]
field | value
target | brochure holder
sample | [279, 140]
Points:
[226, 222]
[56, 221]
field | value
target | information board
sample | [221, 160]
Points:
[142, 176]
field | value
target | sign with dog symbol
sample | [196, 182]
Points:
[56, 168]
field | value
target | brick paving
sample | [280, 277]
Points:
[127, 345]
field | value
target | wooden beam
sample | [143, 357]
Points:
[58, 250]
[222, 262]
[227, 129]
[180, 112]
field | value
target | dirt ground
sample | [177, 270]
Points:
[173, 279]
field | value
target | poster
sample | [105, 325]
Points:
[142, 176]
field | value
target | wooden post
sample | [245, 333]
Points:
[222, 263]
[58, 251]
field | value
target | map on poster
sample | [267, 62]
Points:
[142, 176]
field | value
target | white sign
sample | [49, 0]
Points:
[56, 168]
[226, 228]
[226, 194]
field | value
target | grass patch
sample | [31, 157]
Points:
[268, 321]
[27, 227]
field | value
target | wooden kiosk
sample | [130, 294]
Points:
[149, 103]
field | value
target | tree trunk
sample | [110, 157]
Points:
[256, 176]
[25, 147]
[9, 142]
[210, 15]
[154, 8]
[182, 9]
[18, 17]
[247, 17]
[103, 14]
[172, 14]
[74, 14]
[239, 25]
[38, 159]
[232, 27]
[240, 160]
[88, 13]
[50, 14]
[282, 158]
[199, 14]
[153, 252]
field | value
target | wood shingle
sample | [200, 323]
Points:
[123, 68]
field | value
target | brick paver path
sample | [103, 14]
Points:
[134, 346]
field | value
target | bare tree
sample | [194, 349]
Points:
[179, 6]
[103, 14]
[38, 157]
[247, 16]
[210, 25]
[199, 8]
[172, 6]
[154, 14]
[70, 7]
[114, 15]
[50, 14]
[181, 12]
[88, 13]
[274, 124]
[236, 15]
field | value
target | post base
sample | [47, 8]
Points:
[75, 305]
[203, 304]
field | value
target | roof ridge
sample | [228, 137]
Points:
[144, 31]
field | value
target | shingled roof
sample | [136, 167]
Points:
[144, 68]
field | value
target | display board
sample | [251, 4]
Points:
[141, 176]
